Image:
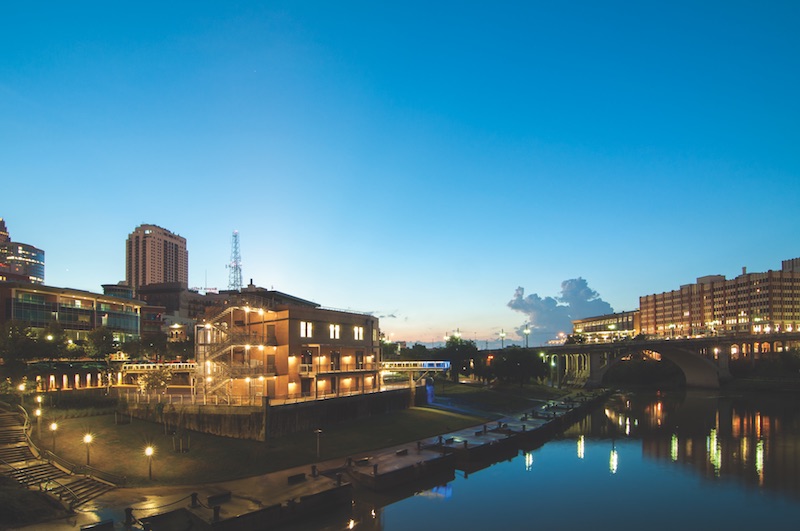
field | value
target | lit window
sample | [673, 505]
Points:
[306, 329]
[358, 333]
[334, 331]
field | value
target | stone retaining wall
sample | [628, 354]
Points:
[263, 423]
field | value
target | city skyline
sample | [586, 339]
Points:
[421, 168]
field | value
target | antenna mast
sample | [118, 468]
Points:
[235, 267]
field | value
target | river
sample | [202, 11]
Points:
[678, 460]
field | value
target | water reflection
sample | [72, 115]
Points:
[634, 440]
[750, 439]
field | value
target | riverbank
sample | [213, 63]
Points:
[118, 448]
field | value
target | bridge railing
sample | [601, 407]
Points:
[188, 366]
[415, 365]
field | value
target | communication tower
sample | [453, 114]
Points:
[235, 267]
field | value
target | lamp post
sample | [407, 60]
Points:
[38, 413]
[149, 453]
[21, 388]
[53, 428]
[527, 332]
[318, 432]
[87, 440]
[502, 338]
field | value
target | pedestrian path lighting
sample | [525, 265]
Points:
[38, 413]
[21, 388]
[318, 432]
[149, 453]
[527, 332]
[87, 440]
[53, 428]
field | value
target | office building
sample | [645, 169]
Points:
[77, 312]
[751, 303]
[154, 255]
[19, 262]
[610, 327]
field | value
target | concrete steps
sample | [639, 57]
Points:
[79, 491]
[15, 454]
[23, 467]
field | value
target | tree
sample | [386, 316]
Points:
[17, 345]
[519, 365]
[101, 343]
[17, 341]
[155, 380]
[389, 350]
[155, 346]
[416, 352]
[459, 352]
[53, 341]
[183, 349]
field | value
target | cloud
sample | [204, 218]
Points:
[547, 316]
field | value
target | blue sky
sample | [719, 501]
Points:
[418, 160]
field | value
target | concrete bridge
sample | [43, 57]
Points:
[704, 361]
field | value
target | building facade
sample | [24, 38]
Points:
[750, 303]
[19, 262]
[155, 255]
[76, 312]
[610, 327]
[265, 343]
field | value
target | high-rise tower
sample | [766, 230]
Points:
[154, 255]
[19, 261]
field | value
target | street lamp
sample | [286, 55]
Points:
[149, 453]
[21, 388]
[87, 440]
[53, 428]
[502, 338]
[318, 432]
[527, 332]
[38, 413]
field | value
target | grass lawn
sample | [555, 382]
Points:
[503, 398]
[119, 448]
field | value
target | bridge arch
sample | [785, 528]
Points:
[699, 371]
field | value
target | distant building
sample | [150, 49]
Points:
[178, 300]
[609, 327]
[77, 312]
[154, 255]
[750, 303]
[19, 262]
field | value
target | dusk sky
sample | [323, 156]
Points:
[417, 160]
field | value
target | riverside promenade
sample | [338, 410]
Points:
[221, 504]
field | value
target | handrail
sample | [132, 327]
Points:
[416, 365]
[187, 365]
[75, 498]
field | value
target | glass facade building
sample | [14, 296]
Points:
[20, 261]
[77, 312]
